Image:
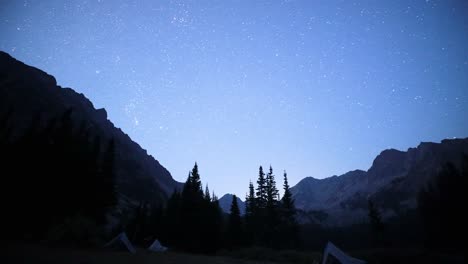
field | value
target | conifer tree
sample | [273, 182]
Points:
[250, 202]
[192, 212]
[234, 225]
[271, 190]
[261, 190]
[250, 211]
[287, 200]
[207, 196]
[196, 181]
[215, 225]
[271, 219]
[199, 215]
[290, 226]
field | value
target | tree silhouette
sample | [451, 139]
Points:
[261, 190]
[172, 232]
[271, 190]
[290, 226]
[207, 195]
[192, 218]
[213, 226]
[250, 213]
[191, 215]
[234, 225]
[271, 219]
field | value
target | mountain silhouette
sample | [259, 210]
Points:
[28, 93]
[392, 182]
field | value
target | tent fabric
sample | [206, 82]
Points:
[157, 247]
[339, 255]
[121, 242]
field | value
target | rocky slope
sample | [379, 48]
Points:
[30, 93]
[393, 182]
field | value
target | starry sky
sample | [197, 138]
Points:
[316, 88]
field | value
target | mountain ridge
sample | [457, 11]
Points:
[393, 181]
[32, 94]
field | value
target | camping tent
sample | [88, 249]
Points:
[332, 254]
[121, 242]
[157, 247]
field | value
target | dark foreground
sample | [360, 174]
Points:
[39, 254]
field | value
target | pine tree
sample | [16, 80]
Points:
[250, 211]
[215, 224]
[261, 190]
[271, 190]
[250, 202]
[194, 215]
[287, 200]
[196, 181]
[188, 184]
[290, 226]
[234, 225]
[271, 218]
[207, 196]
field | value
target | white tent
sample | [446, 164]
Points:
[121, 242]
[157, 247]
[338, 256]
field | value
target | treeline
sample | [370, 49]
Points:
[54, 174]
[193, 221]
[269, 220]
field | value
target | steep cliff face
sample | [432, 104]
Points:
[393, 182]
[31, 94]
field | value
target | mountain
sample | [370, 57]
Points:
[392, 182]
[225, 204]
[31, 94]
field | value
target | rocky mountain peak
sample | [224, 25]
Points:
[393, 181]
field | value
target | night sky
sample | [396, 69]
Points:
[316, 88]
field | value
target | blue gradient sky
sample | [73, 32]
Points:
[314, 87]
